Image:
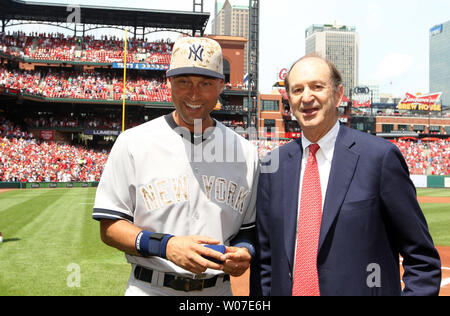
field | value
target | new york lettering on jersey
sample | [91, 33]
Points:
[165, 192]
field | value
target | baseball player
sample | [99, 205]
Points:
[178, 193]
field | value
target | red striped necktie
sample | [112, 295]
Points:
[306, 281]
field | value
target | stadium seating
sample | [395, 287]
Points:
[90, 85]
[30, 161]
[432, 158]
[422, 158]
[24, 159]
[57, 47]
[266, 146]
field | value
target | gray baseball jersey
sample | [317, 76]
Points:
[165, 183]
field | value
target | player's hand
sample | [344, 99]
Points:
[186, 252]
[236, 261]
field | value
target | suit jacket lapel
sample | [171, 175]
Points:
[343, 169]
[291, 181]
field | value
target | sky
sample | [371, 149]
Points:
[394, 34]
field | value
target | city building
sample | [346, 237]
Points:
[372, 92]
[232, 20]
[339, 44]
[440, 61]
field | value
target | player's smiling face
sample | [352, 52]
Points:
[194, 98]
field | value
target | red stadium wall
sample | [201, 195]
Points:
[233, 49]
[411, 121]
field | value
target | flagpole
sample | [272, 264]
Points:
[124, 79]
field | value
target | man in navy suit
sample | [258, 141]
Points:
[369, 211]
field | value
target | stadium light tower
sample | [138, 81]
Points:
[253, 61]
[254, 43]
[198, 6]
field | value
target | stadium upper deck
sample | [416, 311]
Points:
[146, 20]
[83, 50]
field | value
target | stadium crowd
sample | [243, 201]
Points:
[266, 146]
[24, 160]
[89, 121]
[10, 130]
[92, 85]
[426, 157]
[88, 49]
[56, 46]
[422, 157]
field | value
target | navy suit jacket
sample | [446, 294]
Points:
[370, 217]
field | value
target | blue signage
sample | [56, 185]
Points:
[436, 30]
[101, 132]
[141, 66]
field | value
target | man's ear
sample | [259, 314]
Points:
[221, 86]
[339, 94]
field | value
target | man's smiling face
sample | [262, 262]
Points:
[194, 98]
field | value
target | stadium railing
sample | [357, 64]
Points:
[46, 185]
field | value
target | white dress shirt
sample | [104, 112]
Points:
[324, 158]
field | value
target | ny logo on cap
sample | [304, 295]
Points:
[196, 51]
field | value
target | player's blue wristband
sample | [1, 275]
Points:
[248, 245]
[150, 244]
[218, 248]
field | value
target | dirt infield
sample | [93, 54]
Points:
[434, 199]
[5, 190]
[444, 252]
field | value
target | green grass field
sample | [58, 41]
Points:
[433, 192]
[438, 216]
[49, 236]
[52, 246]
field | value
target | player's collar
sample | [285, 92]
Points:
[194, 139]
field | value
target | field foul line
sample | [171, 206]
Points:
[445, 282]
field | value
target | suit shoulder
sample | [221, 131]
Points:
[372, 147]
[291, 147]
[283, 152]
[369, 140]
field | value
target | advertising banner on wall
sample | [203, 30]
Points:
[99, 132]
[428, 102]
[47, 135]
[141, 66]
[359, 104]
